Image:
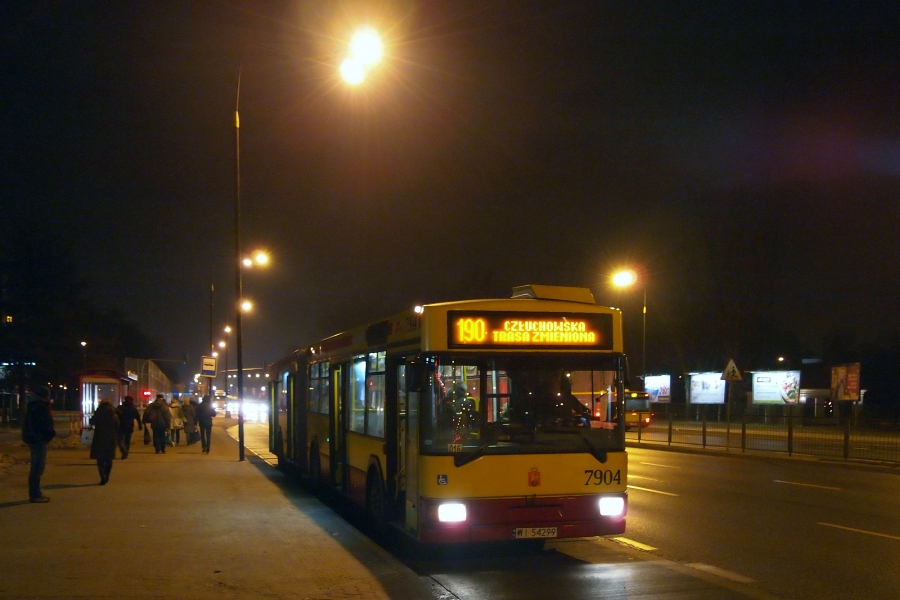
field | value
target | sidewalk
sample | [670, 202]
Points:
[181, 525]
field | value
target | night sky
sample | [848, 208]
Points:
[743, 156]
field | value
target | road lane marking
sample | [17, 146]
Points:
[821, 487]
[634, 544]
[658, 465]
[875, 533]
[643, 489]
[632, 476]
[729, 575]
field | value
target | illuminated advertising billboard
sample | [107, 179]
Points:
[706, 388]
[776, 387]
[845, 382]
[496, 329]
[659, 387]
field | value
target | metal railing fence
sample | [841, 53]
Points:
[789, 430]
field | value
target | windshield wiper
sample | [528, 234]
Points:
[598, 453]
[463, 459]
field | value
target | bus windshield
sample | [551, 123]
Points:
[520, 405]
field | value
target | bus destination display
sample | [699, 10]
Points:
[529, 330]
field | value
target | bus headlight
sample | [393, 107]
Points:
[612, 506]
[452, 512]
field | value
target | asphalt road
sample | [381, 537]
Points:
[710, 526]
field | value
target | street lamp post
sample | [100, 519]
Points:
[365, 51]
[627, 278]
[225, 350]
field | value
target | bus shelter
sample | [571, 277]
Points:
[97, 384]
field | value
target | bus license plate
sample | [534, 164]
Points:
[534, 532]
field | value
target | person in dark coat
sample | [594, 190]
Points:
[106, 430]
[205, 414]
[37, 431]
[158, 418]
[189, 410]
[128, 415]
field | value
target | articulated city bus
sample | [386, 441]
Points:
[467, 421]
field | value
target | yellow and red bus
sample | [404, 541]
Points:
[466, 421]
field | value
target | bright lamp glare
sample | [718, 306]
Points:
[246, 306]
[612, 506]
[352, 71]
[366, 47]
[452, 513]
[624, 278]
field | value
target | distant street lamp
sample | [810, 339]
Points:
[366, 50]
[83, 355]
[627, 278]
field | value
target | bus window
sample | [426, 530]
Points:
[498, 396]
[313, 390]
[319, 388]
[357, 408]
[536, 405]
[375, 395]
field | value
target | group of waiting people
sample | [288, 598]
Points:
[113, 427]
[165, 419]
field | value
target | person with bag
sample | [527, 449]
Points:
[158, 418]
[127, 414]
[106, 430]
[177, 422]
[189, 410]
[37, 431]
[205, 414]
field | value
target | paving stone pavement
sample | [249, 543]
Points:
[180, 525]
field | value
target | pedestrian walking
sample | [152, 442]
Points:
[37, 431]
[158, 418]
[205, 414]
[177, 422]
[189, 410]
[106, 430]
[128, 415]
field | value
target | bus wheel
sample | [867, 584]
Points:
[375, 496]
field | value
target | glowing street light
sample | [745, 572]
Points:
[627, 278]
[366, 51]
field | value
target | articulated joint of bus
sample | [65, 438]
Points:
[499, 519]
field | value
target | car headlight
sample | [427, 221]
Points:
[452, 512]
[612, 506]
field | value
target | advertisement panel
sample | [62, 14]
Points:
[706, 388]
[776, 387]
[659, 388]
[845, 382]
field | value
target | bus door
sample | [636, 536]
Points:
[337, 427]
[398, 437]
[411, 385]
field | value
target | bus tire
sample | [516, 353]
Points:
[375, 496]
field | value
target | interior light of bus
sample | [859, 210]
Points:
[612, 506]
[452, 512]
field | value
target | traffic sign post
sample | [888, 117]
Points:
[729, 375]
[208, 366]
[209, 369]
